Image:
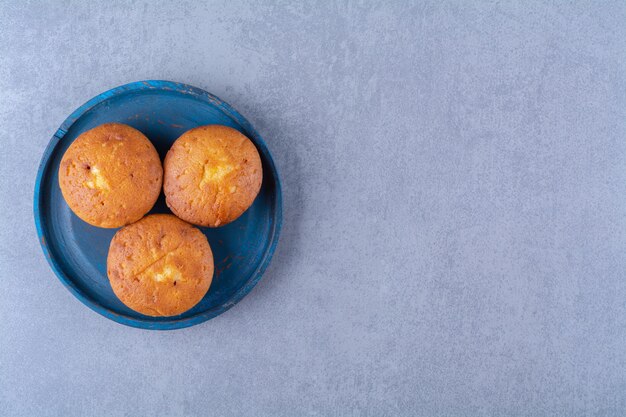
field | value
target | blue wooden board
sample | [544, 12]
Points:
[77, 251]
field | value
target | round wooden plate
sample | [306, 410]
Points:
[77, 252]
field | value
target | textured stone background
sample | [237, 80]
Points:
[455, 209]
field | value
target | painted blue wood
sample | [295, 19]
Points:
[77, 252]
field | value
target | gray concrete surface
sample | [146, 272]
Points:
[455, 209]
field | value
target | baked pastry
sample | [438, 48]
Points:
[160, 265]
[111, 175]
[212, 174]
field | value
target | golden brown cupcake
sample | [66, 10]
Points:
[160, 265]
[212, 175]
[111, 175]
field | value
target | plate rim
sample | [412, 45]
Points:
[146, 322]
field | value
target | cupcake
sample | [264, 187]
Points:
[160, 265]
[212, 174]
[111, 175]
